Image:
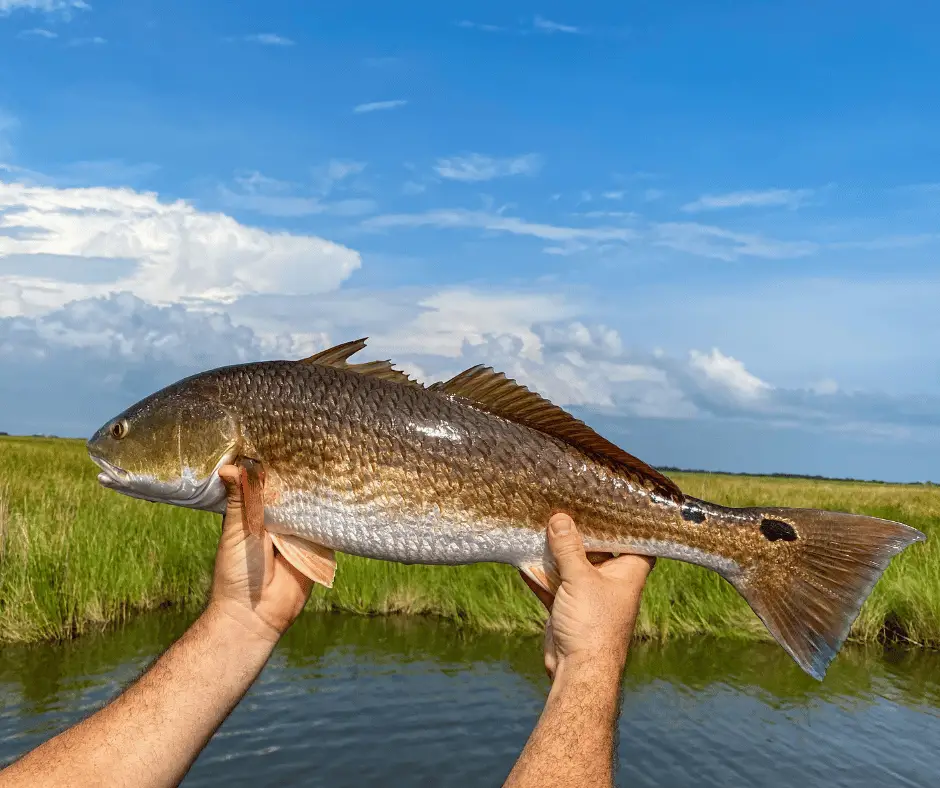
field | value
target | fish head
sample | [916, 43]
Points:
[168, 448]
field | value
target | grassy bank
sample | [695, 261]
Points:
[74, 556]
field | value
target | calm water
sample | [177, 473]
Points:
[350, 701]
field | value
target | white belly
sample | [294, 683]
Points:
[377, 531]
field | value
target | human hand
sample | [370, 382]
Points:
[252, 583]
[594, 610]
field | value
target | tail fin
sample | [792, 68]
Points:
[810, 592]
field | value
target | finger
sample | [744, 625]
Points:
[629, 569]
[230, 478]
[566, 546]
[543, 596]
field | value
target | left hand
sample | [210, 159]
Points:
[252, 582]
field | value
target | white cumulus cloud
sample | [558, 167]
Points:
[728, 373]
[62, 244]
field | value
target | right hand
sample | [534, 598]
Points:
[593, 613]
[252, 582]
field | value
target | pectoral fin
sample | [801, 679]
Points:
[310, 559]
[251, 475]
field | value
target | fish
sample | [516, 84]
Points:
[362, 459]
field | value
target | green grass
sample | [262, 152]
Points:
[75, 556]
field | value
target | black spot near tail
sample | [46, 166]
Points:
[692, 514]
[777, 529]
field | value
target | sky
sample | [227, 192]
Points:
[710, 230]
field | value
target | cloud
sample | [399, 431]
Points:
[63, 7]
[71, 368]
[569, 239]
[721, 244]
[691, 238]
[728, 373]
[789, 198]
[90, 41]
[37, 32]
[253, 191]
[475, 167]
[539, 24]
[544, 25]
[377, 106]
[269, 40]
[161, 252]
[486, 28]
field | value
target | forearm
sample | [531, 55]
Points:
[151, 734]
[573, 743]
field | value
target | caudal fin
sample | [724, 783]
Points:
[809, 592]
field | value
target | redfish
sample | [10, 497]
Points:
[361, 459]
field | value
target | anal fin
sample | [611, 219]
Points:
[546, 578]
[309, 558]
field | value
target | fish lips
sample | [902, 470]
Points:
[111, 476]
[208, 494]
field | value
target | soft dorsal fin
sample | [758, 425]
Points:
[495, 393]
[337, 357]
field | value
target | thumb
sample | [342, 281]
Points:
[566, 546]
[230, 477]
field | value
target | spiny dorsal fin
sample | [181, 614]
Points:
[337, 357]
[494, 392]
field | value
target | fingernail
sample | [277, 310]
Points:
[560, 524]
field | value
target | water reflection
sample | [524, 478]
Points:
[349, 701]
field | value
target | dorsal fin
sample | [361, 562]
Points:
[337, 357]
[495, 393]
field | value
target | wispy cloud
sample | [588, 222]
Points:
[89, 41]
[37, 32]
[721, 244]
[64, 7]
[258, 193]
[544, 25]
[269, 40]
[701, 240]
[790, 198]
[486, 28]
[539, 24]
[565, 240]
[474, 167]
[378, 106]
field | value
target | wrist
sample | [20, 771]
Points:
[603, 667]
[239, 625]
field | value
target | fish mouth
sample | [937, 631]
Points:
[111, 476]
[208, 494]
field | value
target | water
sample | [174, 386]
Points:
[350, 701]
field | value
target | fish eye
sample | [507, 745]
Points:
[119, 429]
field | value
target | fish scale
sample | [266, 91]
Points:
[359, 458]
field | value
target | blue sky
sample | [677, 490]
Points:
[709, 229]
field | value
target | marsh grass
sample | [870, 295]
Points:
[74, 556]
